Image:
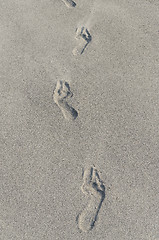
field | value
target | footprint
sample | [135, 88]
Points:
[69, 3]
[61, 93]
[94, 188]
[84, 38]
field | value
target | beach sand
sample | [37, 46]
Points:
[79, 130]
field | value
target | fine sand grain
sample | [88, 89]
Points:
[79, 109]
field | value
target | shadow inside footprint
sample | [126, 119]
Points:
[69, 3]
[99, 206]
[88, 39]
[74, 113]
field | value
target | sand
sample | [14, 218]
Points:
[79, 120]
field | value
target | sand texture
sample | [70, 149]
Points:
[79, 106]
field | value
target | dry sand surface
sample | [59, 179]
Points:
[79, 120]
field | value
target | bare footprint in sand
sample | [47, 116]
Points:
[94, 188]
[61, 94]
[69, 3]
[84, 38]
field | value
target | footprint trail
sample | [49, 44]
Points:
[84, 38]
[94, 188]
[61, 93]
